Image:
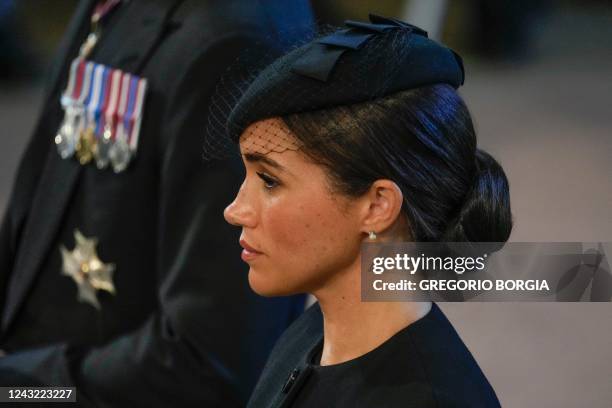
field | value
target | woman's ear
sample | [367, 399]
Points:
[382, 206]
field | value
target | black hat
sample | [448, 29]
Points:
[359, 63]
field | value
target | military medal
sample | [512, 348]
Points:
[102, 108]
[102, 149]
[135, 116]
[128, 127]
[65, 139]
[102, 145]
[103, 111]
[107, 117]
[84, 266]
[83, 97]
[85, 146]
[86, 142]
[72, 101]
[119, 153]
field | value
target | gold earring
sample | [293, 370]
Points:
[372, 235]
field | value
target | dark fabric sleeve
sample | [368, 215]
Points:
[211, 336]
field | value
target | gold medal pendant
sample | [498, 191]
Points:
[85, 146]
[87, 270]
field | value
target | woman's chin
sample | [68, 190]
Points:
[265, 285]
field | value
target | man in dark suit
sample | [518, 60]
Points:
[178, 325]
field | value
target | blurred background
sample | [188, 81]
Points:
[539, 85]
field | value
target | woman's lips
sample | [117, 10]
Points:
[248, 252]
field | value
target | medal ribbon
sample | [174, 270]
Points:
[102, 9]
[125, 87]
[111, 110]
[127, 118]
[100, 97]
[83, 97]
[78, 85]
[103, 101]
[67, 99]
[93, 100]
[85, 91]
[142, 89]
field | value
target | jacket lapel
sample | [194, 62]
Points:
[59, 177]
[127, 48]
[75, 33]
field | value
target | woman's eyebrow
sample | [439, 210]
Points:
[258, 157]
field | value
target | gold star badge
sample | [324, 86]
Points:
[87, 270]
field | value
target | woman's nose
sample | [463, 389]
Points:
[240, 212]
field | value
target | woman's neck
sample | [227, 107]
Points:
[352, 328]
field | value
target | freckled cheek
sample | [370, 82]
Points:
[285, 229]
[304, 226]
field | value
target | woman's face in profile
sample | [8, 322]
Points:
[296, 233]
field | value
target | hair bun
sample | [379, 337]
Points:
[485, 215]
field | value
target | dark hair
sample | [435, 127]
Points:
[423, 139]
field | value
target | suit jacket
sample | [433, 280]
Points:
[183, 327]
[425, 365]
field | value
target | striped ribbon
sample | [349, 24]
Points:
[106, 99]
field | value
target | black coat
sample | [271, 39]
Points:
[183, 329]
[425, 365]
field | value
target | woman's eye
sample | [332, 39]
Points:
[269, 182]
